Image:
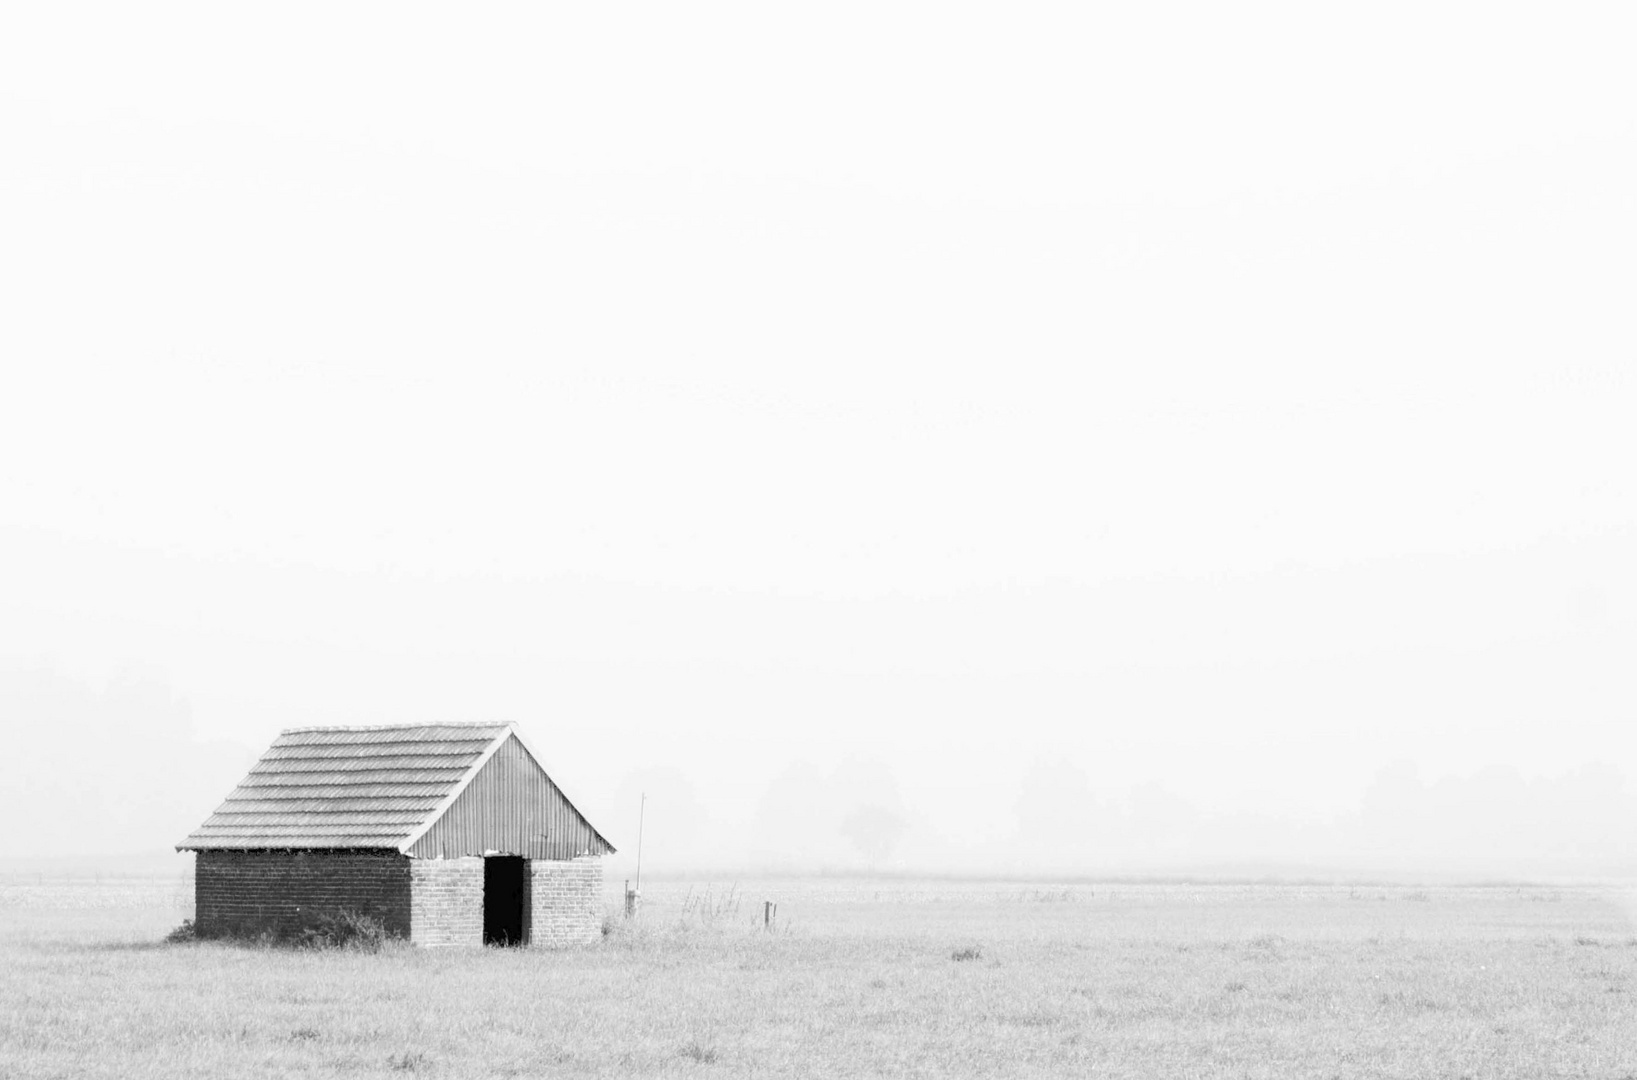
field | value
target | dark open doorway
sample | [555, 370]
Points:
[503, 900]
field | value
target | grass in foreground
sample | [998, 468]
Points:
[1202, 981]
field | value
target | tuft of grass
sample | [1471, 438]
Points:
[1415, 1003]
[1036, 1018]
[183, 934]
[968, 952]
[409, 1061]
[695, 1051]
[710, 907]
[1050, 896]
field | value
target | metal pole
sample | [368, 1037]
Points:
[642, 811]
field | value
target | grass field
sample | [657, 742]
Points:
[858, 978]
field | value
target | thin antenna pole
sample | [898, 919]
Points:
[642, 811]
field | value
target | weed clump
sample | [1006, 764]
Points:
[968, 952]
[342, 929]
[345, 930]
[705, 1055]
[1050, 896]
[711, 907]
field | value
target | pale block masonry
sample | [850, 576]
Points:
[446, 901]
[565, 901]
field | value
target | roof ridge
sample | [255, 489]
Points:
[398, 727]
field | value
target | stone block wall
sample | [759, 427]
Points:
[565, 903]
[446, 907]
[250, 893]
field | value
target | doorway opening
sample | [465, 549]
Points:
[503, 877]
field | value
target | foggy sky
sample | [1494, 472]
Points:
[1047, 437]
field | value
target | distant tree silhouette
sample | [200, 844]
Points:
[874, 830]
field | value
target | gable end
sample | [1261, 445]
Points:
[510, 807]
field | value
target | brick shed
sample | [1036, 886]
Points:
[450, 834]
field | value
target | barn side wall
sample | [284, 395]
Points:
[565, 901]
[251, 893]
[447, 901]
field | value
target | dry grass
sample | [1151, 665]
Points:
[858, 979]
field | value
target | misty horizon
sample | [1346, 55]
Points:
[854, 816]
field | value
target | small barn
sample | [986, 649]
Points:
[449, 834]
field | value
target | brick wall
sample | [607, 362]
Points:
[249, 893]
[565, 901]
[447, 901]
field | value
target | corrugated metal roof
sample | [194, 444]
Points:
[351, 787]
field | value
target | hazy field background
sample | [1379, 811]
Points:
[857, 977]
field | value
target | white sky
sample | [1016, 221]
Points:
[1235, 397]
